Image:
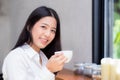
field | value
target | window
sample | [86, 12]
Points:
[102, 29]
[116, 29]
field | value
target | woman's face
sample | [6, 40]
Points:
[43, 32]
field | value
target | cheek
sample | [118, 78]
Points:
[34, 35]
[52, 37]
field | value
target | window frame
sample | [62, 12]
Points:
[102, 30]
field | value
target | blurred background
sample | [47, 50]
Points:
[76, 25]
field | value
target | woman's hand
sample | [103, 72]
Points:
[56, 62]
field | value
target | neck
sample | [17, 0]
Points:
[35, 47]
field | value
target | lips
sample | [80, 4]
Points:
[43, 41]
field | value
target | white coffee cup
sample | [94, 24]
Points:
[67, 53]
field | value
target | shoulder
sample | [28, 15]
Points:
[16, 52]
[14, 61]
[15, 55]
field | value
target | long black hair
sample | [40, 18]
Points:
[35, 16]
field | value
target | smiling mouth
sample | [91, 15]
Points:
[44, 41]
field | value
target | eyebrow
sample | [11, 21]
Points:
[48, 25]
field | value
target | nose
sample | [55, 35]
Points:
[47, 33]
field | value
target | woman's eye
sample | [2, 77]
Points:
[43, 27]
[54, 31]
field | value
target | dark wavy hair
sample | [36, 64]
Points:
[35, 16]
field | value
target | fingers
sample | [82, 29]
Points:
[60, 58]
[59, 54]
[56, 62]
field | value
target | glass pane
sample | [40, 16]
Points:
[116, 30]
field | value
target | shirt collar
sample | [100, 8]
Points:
[30, 51]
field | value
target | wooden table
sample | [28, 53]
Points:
[66, 74]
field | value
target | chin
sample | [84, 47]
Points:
[42, 47]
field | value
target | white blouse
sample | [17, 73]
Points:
[23, 63]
